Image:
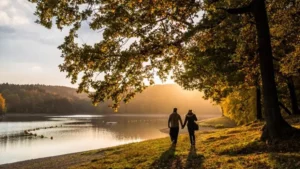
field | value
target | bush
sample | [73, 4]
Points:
[240, 106]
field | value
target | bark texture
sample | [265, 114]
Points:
[258, 104]
[293, 96]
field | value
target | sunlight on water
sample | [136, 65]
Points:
[72, 134]
[79, 116]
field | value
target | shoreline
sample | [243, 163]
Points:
[63, 157]
[58, 161]
[19, 164]
[239, 147]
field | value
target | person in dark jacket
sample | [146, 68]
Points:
[190, 119]
[173, 124]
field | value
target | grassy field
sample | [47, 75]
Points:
[219, 122]
[233, 148]
[225, 148]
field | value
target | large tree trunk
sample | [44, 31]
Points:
[276, 126]
[293, 97]
[258, 103]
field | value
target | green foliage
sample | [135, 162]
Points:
[155, 28]
[240, 106]
[2, 104]
[284, 28]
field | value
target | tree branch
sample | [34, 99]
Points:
[182, 21]
[241, 10]
[284, 108]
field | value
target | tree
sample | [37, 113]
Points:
[276, 126]
[13, 101]
[285, 44]
[152, 30]
[148, 37]
[224, 61]
[2, 104]
[293, 96]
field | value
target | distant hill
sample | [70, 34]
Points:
[45, 99]
[163, 98]
[65, 100]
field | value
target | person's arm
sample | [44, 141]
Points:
[195, 117]
[169, 121]
[185, 120]
[180, 120]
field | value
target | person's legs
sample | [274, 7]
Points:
[192, 136]
[172, 134]
[176, 131]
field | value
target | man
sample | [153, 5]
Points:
[173, 124]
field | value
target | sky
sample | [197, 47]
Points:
[28, 51]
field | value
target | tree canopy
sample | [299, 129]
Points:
[140, 39]
[210, 45]
[147, 37]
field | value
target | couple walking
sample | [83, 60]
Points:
[173, 124]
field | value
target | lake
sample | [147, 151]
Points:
[30, 137]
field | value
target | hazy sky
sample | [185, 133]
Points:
[28, 51]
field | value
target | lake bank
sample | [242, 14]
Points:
[218, 122]
[237, 147]
[45, 136]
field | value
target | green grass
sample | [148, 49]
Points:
[237, 148]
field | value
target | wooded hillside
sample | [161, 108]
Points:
[65, 100]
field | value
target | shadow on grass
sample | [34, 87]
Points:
[290, 160]
[194, 160]
[168, 159]
[210, 139]
[259, 146]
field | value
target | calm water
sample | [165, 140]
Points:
[73, 134]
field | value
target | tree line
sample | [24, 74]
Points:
[43, 99]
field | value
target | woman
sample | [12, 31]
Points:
[190, 119]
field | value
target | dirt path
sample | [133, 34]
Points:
[56, 162]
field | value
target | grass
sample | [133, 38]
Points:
[219, 122]
[237, 148]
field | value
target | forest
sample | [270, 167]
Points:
[43, 99]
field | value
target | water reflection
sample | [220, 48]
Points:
[72, 134]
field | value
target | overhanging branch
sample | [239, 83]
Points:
[242, 10]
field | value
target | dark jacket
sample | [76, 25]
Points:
[190, 119]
